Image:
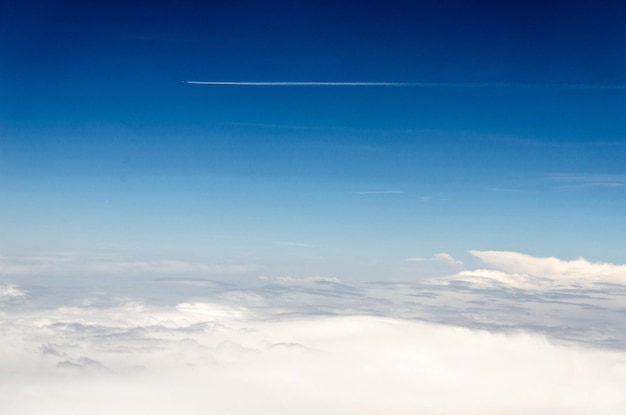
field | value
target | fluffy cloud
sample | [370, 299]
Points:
[525, 269]
[447, 258]
[139, 359]
[522, 335]
[9, 292]
[488, 277]
[574, 300]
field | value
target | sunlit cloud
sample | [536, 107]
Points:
[486, 278]
[199, 357]
[520, 335]
[553, 269]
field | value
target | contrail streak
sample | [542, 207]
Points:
[419, 84]
[298, 83]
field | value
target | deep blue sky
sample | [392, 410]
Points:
[104, 148]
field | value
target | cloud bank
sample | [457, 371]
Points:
[520, 335]
[207, 357]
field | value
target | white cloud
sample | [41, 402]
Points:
[8, 292]
[489, 277]
[415, 259]
[556, 270]
[316, 278]
[206, 357]
[447, 258]
[311, 345]
[440, 257]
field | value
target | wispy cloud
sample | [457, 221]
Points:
[566, 182]
[416, 259]
[574, 182]
[314, 279]
[382, 192]
[440, 257]
[71, 263]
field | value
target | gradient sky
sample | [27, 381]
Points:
[450, 242]
[104, 148]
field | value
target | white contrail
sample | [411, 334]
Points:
[298, 83]
[419, 84]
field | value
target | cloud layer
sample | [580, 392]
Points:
[203, 357]
[519, 335]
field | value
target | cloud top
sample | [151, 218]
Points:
[520, 335]
[200, 357]
[554, 269]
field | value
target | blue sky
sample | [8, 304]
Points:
[103, 148]
[453, 242]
